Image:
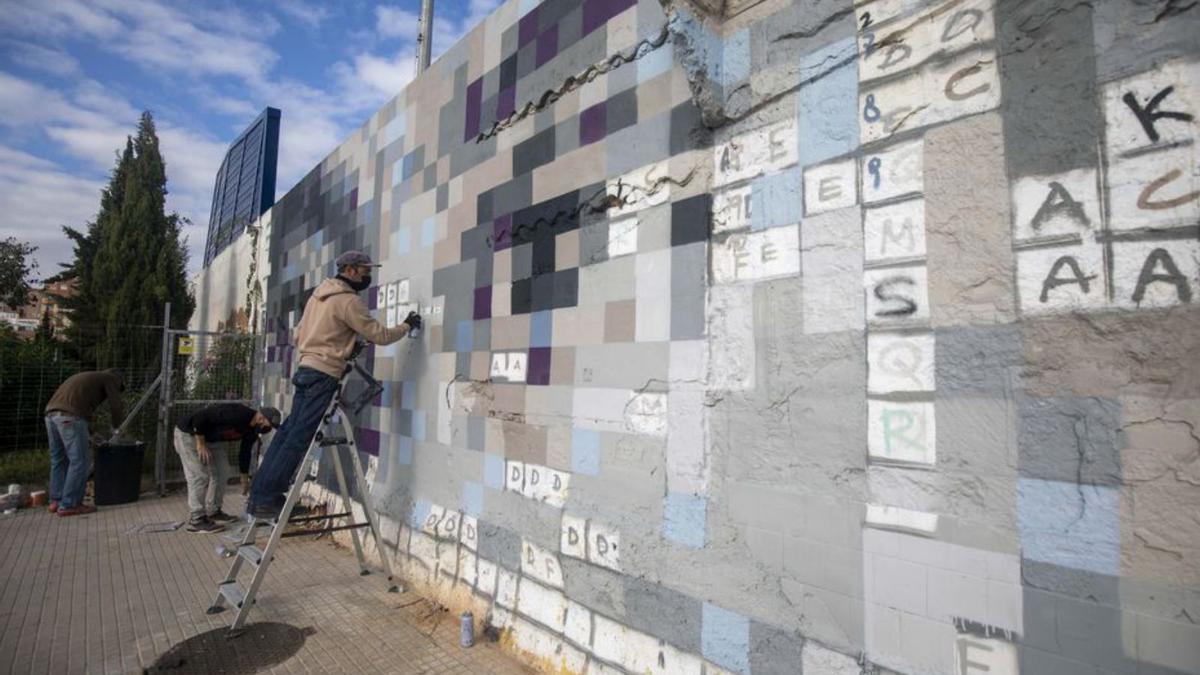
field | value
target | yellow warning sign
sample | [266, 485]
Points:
[186, 345]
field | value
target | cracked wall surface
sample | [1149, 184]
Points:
[786, 337]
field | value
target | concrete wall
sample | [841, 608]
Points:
[772, 337]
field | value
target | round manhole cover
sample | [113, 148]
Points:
[258, 647]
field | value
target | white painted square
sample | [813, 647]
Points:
[894, 517]
[540, 564]
[894, 106]
[573, 541]
[578, 627]
[731, 209]
[830, 186]
[754, 153]
[1123, 131]
[402, 296]
[687, 441]
[390, 317]
[391, 295]
[985, 656]
[468, 569]
[514, 477]
[1048, 206]
[967, 84]
[900, 362]
[894, 231]
[901, 431]
[506, 589]
[730, 324]
[556, 489]
[754, 256]
[646, 413]
[433, 520]
[892, 172]
[1040, 271]
[603, 546]
[1156, 273]
[509, 366]
[468, 532]
[640, 189]
[449, 526]
[485, 581]
[502, 299]
[897, 294]
[544, 605]
[622, 236]
[1157, 189]
[535, 477]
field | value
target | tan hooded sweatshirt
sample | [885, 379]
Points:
[333, 316]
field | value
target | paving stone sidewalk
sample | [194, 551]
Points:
[87, 595]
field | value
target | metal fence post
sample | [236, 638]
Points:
[164, 403]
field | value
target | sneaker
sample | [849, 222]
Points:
[53, 507]
[222, 517]
[205, 526]
[82, 509]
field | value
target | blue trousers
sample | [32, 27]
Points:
[314, 391]
[69, 460]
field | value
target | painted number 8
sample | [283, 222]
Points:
[870, 110]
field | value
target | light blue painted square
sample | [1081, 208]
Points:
[386, 351]
[393, 130]
[398, 172]
[684, 518]
[526, 6]
[655, 63]
[472, 498]
[464, 338]
[735, 58]
[585, 451]
[493, 471]
[419, 513]
[1070, 525]
[402, 240]
[418, 426]
[427, 232]
[408, 394]
[385, 396]
[540, 327]
[725, 638]
[383, 468]
[775, 199]
[828, 104]
[404, 451]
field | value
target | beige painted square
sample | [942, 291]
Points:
[578, 167]
[443, 169]
[508, 400]
[567, 106]
[620, 320]
[566, 250]
[445, 253]
[589, 325]
[435, 335]
[562, 366]
[502, 266]
[525, 443]
[558, 447]
[510, 332]
[480, 365]
[654, 96]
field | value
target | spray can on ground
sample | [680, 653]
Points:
[466, 636]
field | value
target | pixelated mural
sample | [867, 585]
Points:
[822, 337]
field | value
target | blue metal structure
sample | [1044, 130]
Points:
[245, 185]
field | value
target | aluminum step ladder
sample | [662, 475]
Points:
[245, 550]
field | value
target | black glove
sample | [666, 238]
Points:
[413, 320]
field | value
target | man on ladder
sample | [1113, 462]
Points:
[333, 318]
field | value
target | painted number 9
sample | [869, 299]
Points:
[873, 169]
[870, 110]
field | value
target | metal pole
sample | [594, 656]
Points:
[164, 403]
[425, 36]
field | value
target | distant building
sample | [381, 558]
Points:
[245, 185]
[46, 300]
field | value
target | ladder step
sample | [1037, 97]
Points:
[305, 533]
[251, 553]
[232, 593]
[326, 442]
[305, 519]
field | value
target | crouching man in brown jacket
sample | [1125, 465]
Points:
[333, 317]
[67, 417]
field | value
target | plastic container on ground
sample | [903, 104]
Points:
[118, 478]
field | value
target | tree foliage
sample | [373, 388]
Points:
[16, 266]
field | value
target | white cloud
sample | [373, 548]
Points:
[393, 22]
[310, 14]
[41, 57]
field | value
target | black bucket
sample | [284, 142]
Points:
[118, 477]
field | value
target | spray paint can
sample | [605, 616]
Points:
[415, 333]
[466, 636]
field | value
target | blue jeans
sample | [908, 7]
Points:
[69, 460]
[314, 390]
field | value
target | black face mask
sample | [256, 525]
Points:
[360, 285]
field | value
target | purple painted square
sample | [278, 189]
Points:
[506, 103]
[502, 232]
[538, 371]
[527, 28]
[483, 303]
[368, 441]
[597, 12]
[592, 123]
[270, 355]
[474, 101]
[281, 336]
[547, 45]
[373, 298]
[354, 199]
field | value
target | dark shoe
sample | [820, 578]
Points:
[222, 517]
[205, 526]
[263, 512]
[53, 507]
[82, 509]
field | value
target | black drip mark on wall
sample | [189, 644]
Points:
[550, 96]
[600, 201]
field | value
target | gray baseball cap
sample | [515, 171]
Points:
[272, 415]
[354, 258]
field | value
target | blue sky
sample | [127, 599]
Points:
[75, 75]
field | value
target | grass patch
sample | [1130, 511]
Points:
[27, 467]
